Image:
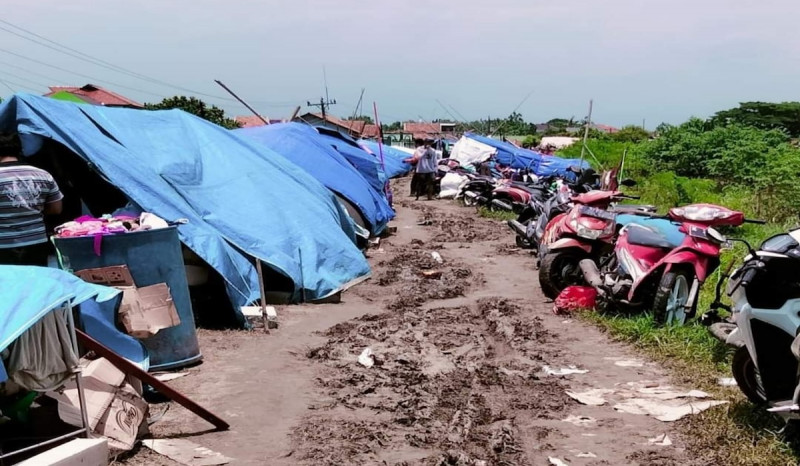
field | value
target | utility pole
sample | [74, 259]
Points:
[586, 131]
[323, 105]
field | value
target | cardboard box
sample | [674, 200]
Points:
[114, 407]
[145, 311]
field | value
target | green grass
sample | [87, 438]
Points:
[496, 214]
[735, 434]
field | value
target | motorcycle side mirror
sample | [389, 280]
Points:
[750, 249]
[628, 182]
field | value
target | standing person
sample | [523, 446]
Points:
[27, 194]
[427, 166]
[420, 147]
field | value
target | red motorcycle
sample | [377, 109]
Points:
[586, 230]
[660, 263]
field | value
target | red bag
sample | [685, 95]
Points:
[575, 298]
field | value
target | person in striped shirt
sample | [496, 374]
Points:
[27, 194]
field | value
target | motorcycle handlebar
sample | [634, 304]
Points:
[757, 222]
[748, 277]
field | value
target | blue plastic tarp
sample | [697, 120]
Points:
[393, 164]
[241, 199]
[302, 145]
[29, 293]
[517, 157]
[369, 167]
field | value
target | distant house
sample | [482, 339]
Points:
[352, 127]
[250, 121]
[92, 94]
[421, 130]
[604, 128]
[370, 132]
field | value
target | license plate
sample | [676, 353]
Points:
[698, 232]
[597, 213]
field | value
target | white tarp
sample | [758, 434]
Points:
[557, 141]
[450, 185]
[468, 151]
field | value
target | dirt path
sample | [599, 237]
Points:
[459, 349]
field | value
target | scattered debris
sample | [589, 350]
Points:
[664, 411]
[563, 371]
[586, 455]
[432, 274]
[661, 440]
[629, 363]
[646, 398]
[593, 397]
[167, 376]
[186, 452]
[437, 257]
[556, 461]
[366, 359]
[581, 421]
[726, 382]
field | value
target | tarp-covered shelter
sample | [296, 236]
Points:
[508, 154]
[369, 167]
[30, 293]
[302, 145]
[241, 199]
[393, 164]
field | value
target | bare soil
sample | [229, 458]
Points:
[459, 348]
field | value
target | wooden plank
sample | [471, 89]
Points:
[132, 369]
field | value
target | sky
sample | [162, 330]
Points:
[639, 60]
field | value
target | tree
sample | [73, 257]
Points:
[197, 107]
[763, 115]
[530, 141]
[395, 126]
[366, 118]
[630, 133]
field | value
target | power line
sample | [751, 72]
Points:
[22, 78]
[9, 87]
[78, 74]
[56, 46]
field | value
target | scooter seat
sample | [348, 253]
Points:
[641, 235]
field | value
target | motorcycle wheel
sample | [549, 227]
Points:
[560, 269]
[746, 375]
[671, 298]
[468, 201]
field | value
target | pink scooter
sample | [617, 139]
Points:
[659, 263]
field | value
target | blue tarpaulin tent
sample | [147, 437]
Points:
[392, 158]
[302, 145]
[241, 199]
[516, 157]
[29, 293]
[369, 167]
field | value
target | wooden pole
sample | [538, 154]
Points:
[294, 114]
[586, 131]
[132, 369]
[242, 101]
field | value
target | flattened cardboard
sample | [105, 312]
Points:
[100, 382]
[115, 407]
[145, 311]
[116, 275]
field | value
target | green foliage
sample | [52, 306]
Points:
[784, 116]
[530, 141]
[197, 107]
[631, 134]
[502, 215]
[366, 118]
[396, 126]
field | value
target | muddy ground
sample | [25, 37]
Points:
[459, 348]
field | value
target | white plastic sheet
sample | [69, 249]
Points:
[468, 151]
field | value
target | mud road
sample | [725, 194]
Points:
[459, 350]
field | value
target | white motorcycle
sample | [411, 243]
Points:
[764, 326]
